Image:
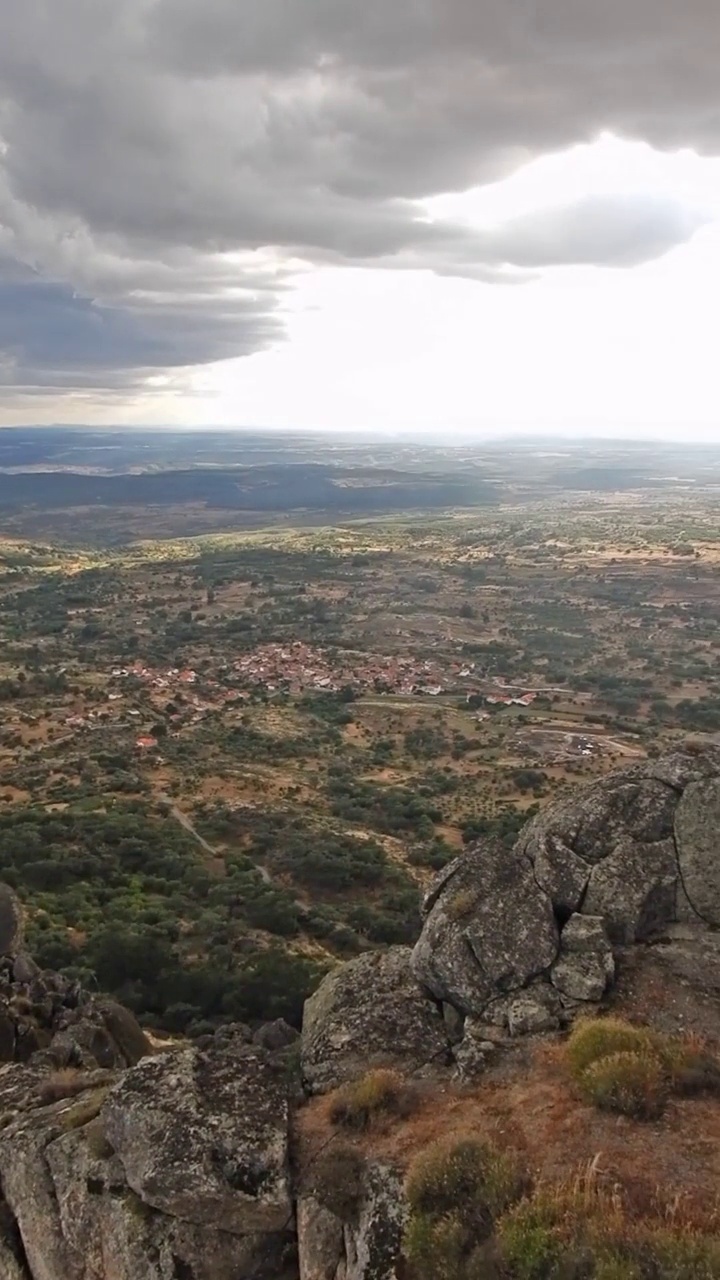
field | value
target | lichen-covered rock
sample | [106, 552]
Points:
[637, 849]
[275, 1036]
[533, 1011]
[580, 977]
[490, 929]
[28, 1184]
[321, 1241]
[204, 1137]
[12, 1260]
[697, 835]
[634, 889]
[591, 820]
[474, 1054]
[71, 1214]
[586, 965]
[369, 1012]
[117, 1235]
[374, 1246]
[99, 1033]
[365, 1245]
[561, 873]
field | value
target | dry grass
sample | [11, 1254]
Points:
[66, 1083]
[591, 1218]
[462, 905]
[376, 1097]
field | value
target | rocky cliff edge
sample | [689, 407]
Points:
[121, 1162]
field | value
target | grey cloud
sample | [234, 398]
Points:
[617, 231]
[144, 143]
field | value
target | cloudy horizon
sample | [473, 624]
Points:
[451, 216]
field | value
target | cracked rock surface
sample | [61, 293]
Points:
[610, 864]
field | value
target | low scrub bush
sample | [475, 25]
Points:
[455, 1192]
[596, 1038]
[630, 1083]
[376, 1096]
[633, 1070]
[582, 1229]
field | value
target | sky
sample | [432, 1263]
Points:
[466, 217]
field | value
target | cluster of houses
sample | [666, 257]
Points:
[158, 679]
[299, 667]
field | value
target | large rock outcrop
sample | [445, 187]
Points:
[524, 938]
[355, 1236]
[369, 1012]
[119, 1163]
[203, 1137]
[697, 836]
[489, 929]
[174, 1169]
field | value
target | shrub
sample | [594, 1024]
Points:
[633, 1070]
[596, 1038]
[631, 1083]
[443, 1249]
[681, 1255]
[528, 1246]
[455, 1191]
[691, 1069]
[583, 1229]
[379, 1094]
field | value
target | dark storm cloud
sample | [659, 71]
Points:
[49, 334]
[144, 144]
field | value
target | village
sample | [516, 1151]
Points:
[299, 668]
[182, 696]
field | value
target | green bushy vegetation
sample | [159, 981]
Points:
[350, 879]
[631, 1083]
[390, 809]
[474, 1215]
[634, 1071]
[122, 898]
[456, 1191]
[582, 1229]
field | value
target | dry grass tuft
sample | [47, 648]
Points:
[587, 1227]
[67, 1083]
[462, 906]
[379, 1095]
